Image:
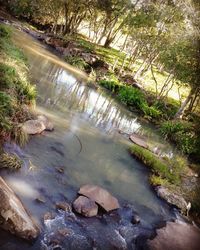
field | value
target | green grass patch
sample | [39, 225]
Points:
[163, 168]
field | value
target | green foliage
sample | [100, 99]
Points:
[5, 104]
[158, 166]
[18, 135]
[181, 133]
[15, 91]
[10, 161]
[113, 86]
[156, 180]
[26, 92]
[77, 61]
[167, 108]
[151, 112]
[7, 76]
[169, 128]
[5, 31]
[132, 97]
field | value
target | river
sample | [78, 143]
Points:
[86, 142]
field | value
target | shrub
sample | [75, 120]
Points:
[181, 133]
[132, 97]
[151, 112]
[169, 128]
[113, 86]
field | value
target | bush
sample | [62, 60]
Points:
[158, 166]
[132, 97]
[113, 86]
[151, 112]
[181, 133]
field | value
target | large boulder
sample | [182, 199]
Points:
[176, 236]
[13, 216]
[100, 196]
[172, 198]
[85, 206]
[32, 127]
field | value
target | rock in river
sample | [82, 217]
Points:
[85, 206]
[100, 196]
[32, 127]
[139, 140]
[172, 198]
[176, 236]
[13, 216]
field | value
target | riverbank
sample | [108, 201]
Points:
[17, 96]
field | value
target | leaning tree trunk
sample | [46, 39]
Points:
[183, 107]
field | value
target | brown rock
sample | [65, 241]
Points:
[100, 196]
[32, 127]
[85, 206]
[176, 236]
[139, 140]
[172, 198]
[64, 206]
[14, 217]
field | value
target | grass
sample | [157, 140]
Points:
[10, 161]
[16, 94]
[164, 169]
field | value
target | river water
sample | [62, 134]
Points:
[86, 142]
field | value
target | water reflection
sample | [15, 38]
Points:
[61, 90]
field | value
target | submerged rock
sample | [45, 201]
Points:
[176, 236]
[172, 198]
[100, 196]
[64, 206]
[13, 216]
[85, 206]
[139, 140]
[135, 219]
